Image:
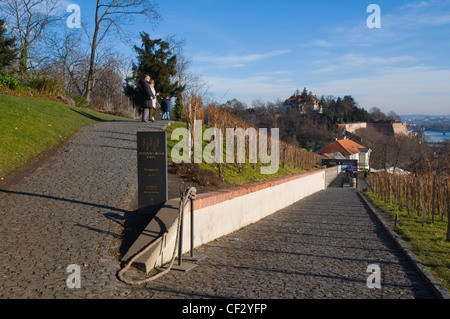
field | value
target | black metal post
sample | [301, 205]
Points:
[186, 266]
[180, 246]
[193, 257]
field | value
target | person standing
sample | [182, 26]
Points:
[153, 101]
[148, 96]
[165, 108]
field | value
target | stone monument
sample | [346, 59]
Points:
[152, 171]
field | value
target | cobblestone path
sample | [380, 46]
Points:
[68, 212]
[319, 247]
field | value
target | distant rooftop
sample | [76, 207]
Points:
[343, 146]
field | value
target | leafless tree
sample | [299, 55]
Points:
[190, 81]
[390, 150]
[108, 93]
[377, 114]
[393, 116]
[67, 61]
[28, 20]
[110, 18]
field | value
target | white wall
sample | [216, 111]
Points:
[225, 217]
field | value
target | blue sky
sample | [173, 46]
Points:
[265, 49]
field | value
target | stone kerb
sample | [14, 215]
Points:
[220, 213]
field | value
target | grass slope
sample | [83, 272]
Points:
[30, 126]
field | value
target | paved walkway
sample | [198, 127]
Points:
[68, 212]
[319, 247]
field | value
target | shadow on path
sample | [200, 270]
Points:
[64, 200]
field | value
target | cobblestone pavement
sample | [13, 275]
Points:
[69, 210]
[319, 247]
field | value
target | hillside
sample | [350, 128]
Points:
[205, 174]
[31, 126]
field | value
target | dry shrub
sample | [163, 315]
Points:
[193, 173]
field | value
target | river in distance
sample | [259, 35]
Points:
[437, 137]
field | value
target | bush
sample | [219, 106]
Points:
[46, 85]
[9, 82]
[192, 172]
[79, 100]
[13, 84]
[126, 113]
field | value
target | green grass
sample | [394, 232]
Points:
[231, 174]
[428, 243]
[30, 126]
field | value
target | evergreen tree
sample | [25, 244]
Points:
[304, 93]
[7, 50]
[178, 109]
[339, 110]
[155, 58]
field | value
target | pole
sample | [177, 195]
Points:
[180, 246]
[193, 257]
[186, 266]
[192, 227]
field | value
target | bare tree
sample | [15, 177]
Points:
[108, 93]
[28, 20]
[394, 116]
[110, 17]
[67, 61]
[189, 81]
[377, 114]
[390, 150]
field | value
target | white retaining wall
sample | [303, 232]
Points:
[221, 213]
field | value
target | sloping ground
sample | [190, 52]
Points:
[318, 248]
[29, 127]
[67, 212]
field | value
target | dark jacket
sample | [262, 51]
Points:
[165, 105]
[147, 94]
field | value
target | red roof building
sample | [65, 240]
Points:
[296, 102]
[350, 150]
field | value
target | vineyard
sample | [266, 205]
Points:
[424, 195]
[418, 205]
[291, 156]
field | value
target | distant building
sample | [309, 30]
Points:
[296, 102]
[349, 150]
[396, 128]
[352, 127]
